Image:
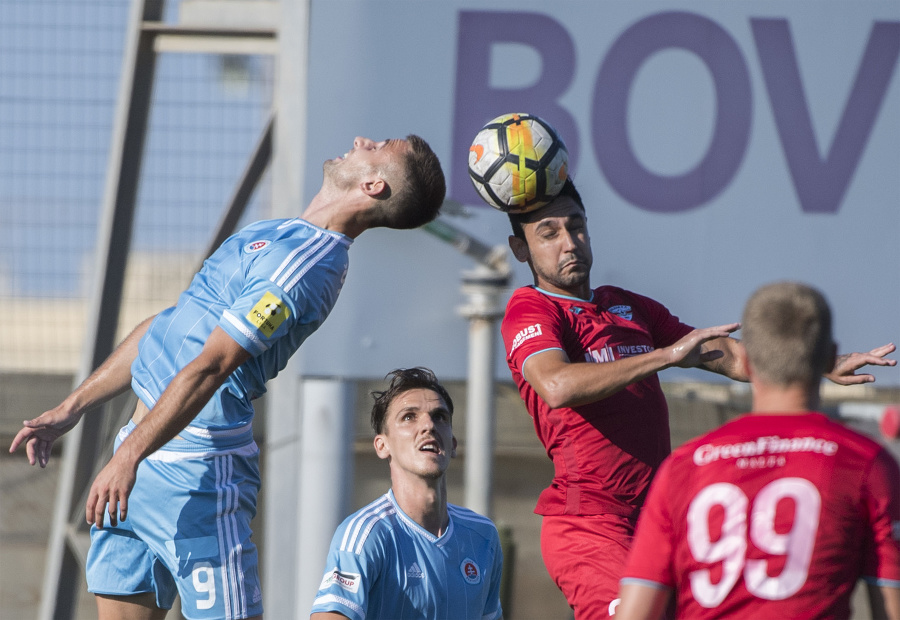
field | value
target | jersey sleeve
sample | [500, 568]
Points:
[492, 608]
[650, 561]
[882, 499]
[348, 576]
[531, 325]
[269, 306]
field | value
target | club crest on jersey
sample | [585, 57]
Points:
[256, 246]
[268, 314]
[470, 571]
[622, 311]
[346, 581]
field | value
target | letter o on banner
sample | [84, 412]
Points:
[721, 55]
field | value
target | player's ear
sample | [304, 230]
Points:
[519, 248]
[743, 361]
[373, 186]
[453, 449]
[382, 449]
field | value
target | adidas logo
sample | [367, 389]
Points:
[257, 595]
[414, 572]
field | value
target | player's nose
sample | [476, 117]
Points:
[361, 143]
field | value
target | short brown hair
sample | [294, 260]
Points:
[786, 332]
[403, 380]
[415, 198]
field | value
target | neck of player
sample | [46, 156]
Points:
[784, 399]
[424, 501]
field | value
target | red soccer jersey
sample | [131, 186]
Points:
[772, 516]
[604, 453]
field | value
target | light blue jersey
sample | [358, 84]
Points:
[269, 287]
[382, 564]
[188, 529]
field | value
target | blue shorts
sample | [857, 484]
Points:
[187, 532]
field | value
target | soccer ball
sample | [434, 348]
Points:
[518, 163]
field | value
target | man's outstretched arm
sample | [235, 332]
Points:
[112, 377]
[562, 383]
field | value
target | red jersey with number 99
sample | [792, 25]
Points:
[772, 516]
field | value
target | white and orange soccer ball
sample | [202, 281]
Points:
[518, 163]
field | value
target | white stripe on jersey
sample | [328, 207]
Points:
[374, 513]
[467, 515]
[230, 557]
[331, 598]
[259, 346]
[309, 265]
[313, 254]
[173, 456]
[290, 257]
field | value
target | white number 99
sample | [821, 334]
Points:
[731, 547]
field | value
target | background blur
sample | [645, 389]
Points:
[718, 145]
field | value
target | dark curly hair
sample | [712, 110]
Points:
[403, 380]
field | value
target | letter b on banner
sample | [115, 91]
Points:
[477, 101]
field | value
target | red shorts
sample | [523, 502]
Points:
[585, 556]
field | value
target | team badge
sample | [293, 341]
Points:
[470, 571]
[256, 246]
[622, 311]
[268, 314]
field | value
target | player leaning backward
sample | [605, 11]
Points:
[604, 424]
[185, 470]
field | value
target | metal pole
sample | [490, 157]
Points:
[483, 287]
[326, 475]
[283, 418]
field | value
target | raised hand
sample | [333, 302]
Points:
[688, 352]
[39, 433]
[846, 365]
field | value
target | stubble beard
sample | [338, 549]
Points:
[570, 281]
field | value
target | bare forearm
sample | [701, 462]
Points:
[185, 396]
[571, 385]
[884, 602]
[111, 378]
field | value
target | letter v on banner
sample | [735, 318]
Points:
[821, 182]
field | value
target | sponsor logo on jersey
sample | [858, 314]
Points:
[256, 246]
[268, 314]
[622, 311]
[414, 572]
[630, 350]
[600, 357]
[529, 332]
[346, 581]
[762, 446]
[470, 571]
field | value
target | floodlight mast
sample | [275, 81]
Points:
[484, 287]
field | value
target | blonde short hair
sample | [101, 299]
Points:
[786, 332]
